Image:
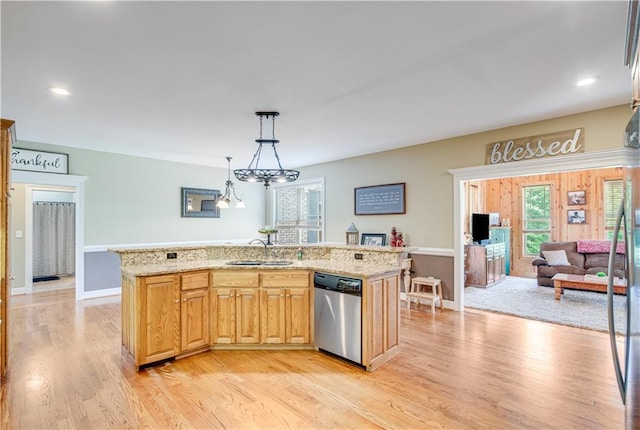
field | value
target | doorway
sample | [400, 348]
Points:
[53, 233]
[34, 181]
[584, 161]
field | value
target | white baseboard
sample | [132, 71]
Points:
[101, 293]
[18, 291]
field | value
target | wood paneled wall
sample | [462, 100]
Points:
[505, 197]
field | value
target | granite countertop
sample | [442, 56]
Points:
[359, 270]
[389, 249]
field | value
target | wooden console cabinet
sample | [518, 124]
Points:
[484, 264]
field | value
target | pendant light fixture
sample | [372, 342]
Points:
[224, 201]
[256, 174]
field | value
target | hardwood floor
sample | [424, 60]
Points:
[65, 282]
[466, 370]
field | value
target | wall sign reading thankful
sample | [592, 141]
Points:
[527, 148]
[39, 161]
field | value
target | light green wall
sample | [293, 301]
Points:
[16, 245]
[429, 186]
[133, 200]
[137, 200]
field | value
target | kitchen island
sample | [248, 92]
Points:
[195, 302]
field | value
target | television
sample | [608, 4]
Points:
[480, 228]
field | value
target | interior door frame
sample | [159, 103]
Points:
[29, 231]
[48, 181]
[583, 161]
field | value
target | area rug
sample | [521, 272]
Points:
[524, 298]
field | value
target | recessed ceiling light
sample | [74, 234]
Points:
[586, 81]
[59, 91]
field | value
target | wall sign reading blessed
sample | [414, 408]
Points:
[527, 148]
[39, 161]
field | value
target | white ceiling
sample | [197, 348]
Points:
[182, 80]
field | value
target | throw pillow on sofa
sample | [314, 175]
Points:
[556, 258]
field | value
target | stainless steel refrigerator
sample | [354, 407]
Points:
[627, 358]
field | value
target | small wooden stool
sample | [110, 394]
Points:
[417, 293]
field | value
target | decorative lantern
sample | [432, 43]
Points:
[352, 235]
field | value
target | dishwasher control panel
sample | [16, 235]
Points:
[341, 284]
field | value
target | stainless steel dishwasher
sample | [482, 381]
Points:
[338, 315]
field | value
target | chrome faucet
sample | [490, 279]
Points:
[266, 251]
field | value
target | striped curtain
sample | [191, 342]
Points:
[53, 239]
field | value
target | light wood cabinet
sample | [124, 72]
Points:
[272, 318]
[159, 318]
[165, 316]
[298, 319]
[247, 316]
[235, 313]
[267, 307]
[285, 312]
[380, 316]
[194, 311]
[6, 140]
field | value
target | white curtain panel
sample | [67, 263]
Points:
[53, 239]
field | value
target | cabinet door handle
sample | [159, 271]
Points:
[178, 301]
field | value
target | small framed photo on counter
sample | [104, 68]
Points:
[373, 239]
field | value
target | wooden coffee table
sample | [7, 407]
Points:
[589, 283]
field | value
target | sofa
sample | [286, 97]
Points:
[582, 257]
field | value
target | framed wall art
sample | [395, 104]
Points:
[577, 198]
[577, 216]
[380, 199]
[39, 161]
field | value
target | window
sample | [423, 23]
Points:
[298, 211]
[612, 197]
[536, 223]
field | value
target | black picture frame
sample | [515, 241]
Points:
[380, 199]
[577, 216]
[199, 203]
[373, 239]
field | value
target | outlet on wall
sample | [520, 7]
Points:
[172, 255]
[357, 256]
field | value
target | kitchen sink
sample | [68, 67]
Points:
[277, 263]
[259, 263]
[244, 263]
